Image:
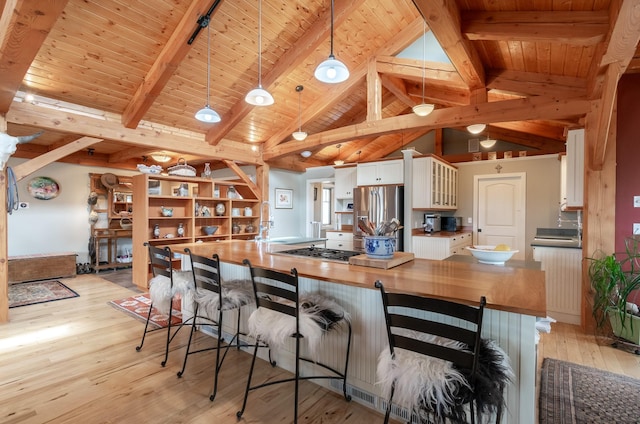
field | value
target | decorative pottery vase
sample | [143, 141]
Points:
[156, 231]
[232, 193]
[180, 230]
[379, 247]
[220, 209]
[207, 170]
[235, 228]
[249, 228]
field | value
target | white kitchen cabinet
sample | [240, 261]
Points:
[440, 247]
[572, 171]
[339, 240]
[384, 172]
[563, 277]
[345, 182]
[435, 184]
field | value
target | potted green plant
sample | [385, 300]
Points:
[613, 277]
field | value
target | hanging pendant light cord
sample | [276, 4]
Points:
[424, 54]
[331, 28]
[259, 43]
[299, 109]
[208, 59]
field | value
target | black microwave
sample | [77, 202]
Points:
[451, 223]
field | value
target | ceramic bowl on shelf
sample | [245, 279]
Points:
[153, 169]
[209, 229]
[487, 255]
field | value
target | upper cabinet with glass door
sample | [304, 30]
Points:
[435, 184]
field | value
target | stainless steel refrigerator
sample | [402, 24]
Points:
[377, 204]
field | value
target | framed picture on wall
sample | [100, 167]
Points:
[284, 198]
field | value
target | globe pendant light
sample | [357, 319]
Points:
[332, 71]
[299, 135]
[259, 96]
[206, 114]
[423, 109]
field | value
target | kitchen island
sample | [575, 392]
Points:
[515, 297]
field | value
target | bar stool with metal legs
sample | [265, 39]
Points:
[437, 365]
[163, 288]
[283, 312]
[212, 297]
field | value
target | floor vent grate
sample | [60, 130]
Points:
[365, 397]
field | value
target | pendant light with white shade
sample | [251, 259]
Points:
[331, 70]
[423, 109]
[206, 114]
[299, 135]
[476, 128]
[259, 96]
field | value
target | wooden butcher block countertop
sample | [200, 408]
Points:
[517, 290]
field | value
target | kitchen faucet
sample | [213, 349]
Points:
[265, 224]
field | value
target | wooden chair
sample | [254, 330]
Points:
[282, 312]
[212, 297]
[437, 364]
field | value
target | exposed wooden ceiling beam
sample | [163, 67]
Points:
[508, 110]
[24, 25]
[580, 28]
[165, 65]
[441, 73]
[57, 120]
[443, 19]
[25, 169]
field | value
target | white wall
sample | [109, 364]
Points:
[57, 225]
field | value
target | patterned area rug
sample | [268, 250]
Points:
[32, 292]
[138, 307]
[571, 393]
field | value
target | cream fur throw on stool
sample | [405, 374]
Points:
[318, 314]
[161, 293]
[424, 383]
[235, 294]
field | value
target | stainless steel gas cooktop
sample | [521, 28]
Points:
[321, 253]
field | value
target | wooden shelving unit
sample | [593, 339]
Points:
[113, 207]
[199, 208]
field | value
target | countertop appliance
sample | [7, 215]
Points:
[432, 222]
[451, 223]
[377, 204]
[321, 253]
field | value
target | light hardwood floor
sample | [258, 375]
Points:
[74, 361]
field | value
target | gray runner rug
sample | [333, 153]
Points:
[572, 393]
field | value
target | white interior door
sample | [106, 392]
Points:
[499, 207]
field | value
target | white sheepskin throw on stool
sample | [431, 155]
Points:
[433, 387]
[318, 314]
[161, 293]
[235, 294]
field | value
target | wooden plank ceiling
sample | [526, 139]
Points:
[124, 72]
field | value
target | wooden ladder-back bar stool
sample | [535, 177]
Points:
[437, 365]
[283, 313]
[212, 297]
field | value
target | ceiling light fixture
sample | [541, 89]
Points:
[476, 128]
[331, 70]
[160, 157]
[259, 96]
[206, 114]
[338, 161]
[423, 109]
[488, 143]
[305, 154]
[300, 135]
